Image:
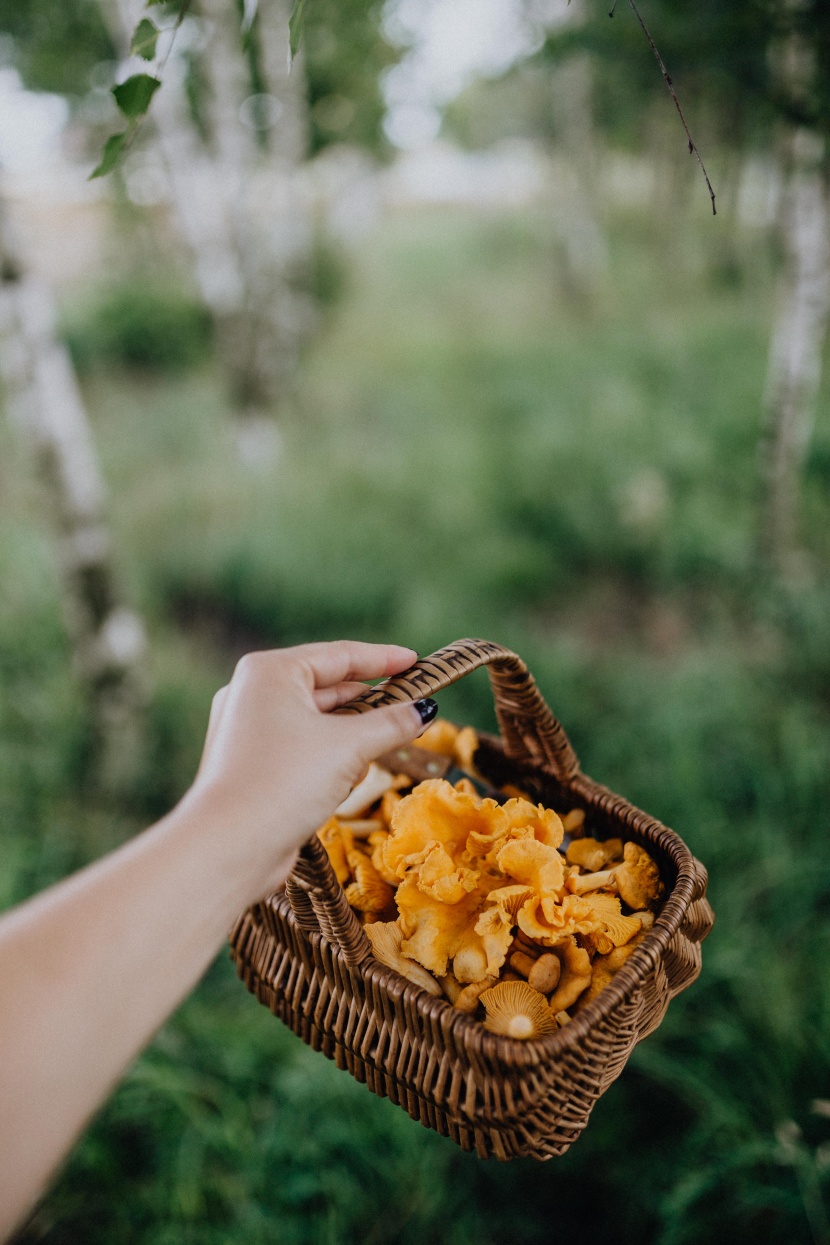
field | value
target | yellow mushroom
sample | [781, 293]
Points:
[385, 937]
[522, 962]
[389, 802]
[592, 855]
[576, 975]
[638, 878]
[606, 967]
[574, 822]
[467, 1000]
[516, 1010]
[451, 986]
[368, 892]
[440, 737]
[376, 841]
[331, 836]
[618, 928]
[545, 973]
[579, 884]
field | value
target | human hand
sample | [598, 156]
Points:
[277, 762]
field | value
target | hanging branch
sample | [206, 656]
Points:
[133, 96]
[692, 144]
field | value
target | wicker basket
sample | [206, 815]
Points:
[303, 953]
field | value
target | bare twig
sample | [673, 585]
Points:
[692, 145]
[613, 9]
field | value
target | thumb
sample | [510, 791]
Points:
[383, 730]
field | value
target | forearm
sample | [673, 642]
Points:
[91, 968]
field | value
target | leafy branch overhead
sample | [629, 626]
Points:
[134, 95]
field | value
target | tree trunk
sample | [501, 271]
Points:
[794, 364]
[43, 399]
[582, 236]
[237, 207]
[259, 168]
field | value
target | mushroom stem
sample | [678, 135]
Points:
[578, 885]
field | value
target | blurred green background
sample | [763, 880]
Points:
[484, 441]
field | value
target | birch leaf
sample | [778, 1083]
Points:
[143, 42]
[133, 96]
[109, 157]
[295, 26]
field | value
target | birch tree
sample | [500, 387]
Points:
[44, 401]
[233, 182]
[795, 352]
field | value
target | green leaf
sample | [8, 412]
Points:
[133, 96]
[143, 42]
[110, 155]
[295, 26]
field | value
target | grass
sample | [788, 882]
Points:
[475, 455]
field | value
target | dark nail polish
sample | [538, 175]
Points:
[427, 709]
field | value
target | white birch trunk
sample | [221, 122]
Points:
[578, 224]
[272, 234]
[43, 399]
[799, 332]
[237, 206]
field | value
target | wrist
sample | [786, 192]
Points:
[251, 852]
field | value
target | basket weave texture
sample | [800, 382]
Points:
[303, 953]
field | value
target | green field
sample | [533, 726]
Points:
[476, 454]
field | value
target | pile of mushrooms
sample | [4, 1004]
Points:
[484, 900]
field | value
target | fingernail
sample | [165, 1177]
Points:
[427, 709]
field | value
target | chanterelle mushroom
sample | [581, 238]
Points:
[576, 975]
[516, 1010]
[638, 880]
[591, 854]
[580, 884]
[385, 937]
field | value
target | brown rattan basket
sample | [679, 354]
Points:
[303, 953]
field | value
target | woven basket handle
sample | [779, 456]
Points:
[528, 728]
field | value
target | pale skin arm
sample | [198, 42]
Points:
[90, 968]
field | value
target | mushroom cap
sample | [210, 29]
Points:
[440, 737]
[331, 836]
[514, 1009]
[593, 855]
[546, 921]
[620, 929]
[638, 878]
[368, 892]
[385, 937]
[533, 863]
[434, 812]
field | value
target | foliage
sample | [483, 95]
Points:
[729, 59]
[138, 323]
[345, 54]
[57, 45]
[480, 457]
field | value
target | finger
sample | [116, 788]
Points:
[216, 707]
[383, 730]
[345, 661]
[327, 698]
